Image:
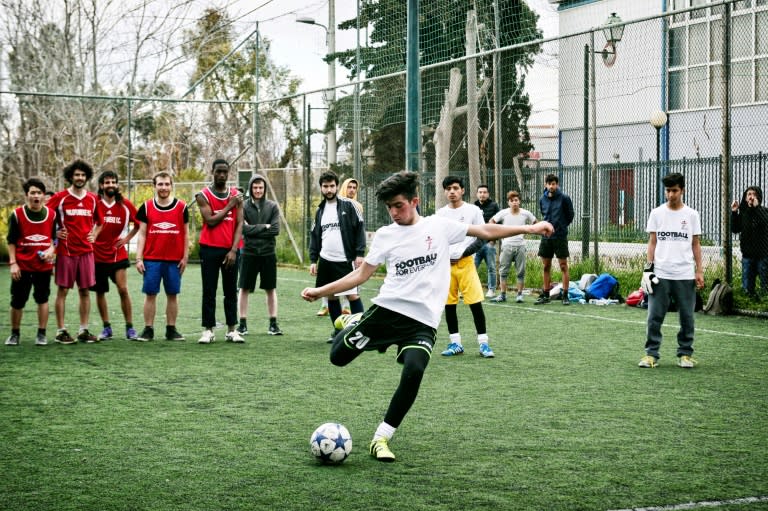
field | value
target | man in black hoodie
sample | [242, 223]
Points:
[750, 218]
[261, 225]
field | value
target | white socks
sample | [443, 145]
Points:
[384, 431]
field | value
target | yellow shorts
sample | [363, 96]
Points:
[464, 278]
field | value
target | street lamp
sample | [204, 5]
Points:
[330, 41]
[658, 120]
[613, 30]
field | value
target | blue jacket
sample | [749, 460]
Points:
[557, 210]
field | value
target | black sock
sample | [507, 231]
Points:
[15, 331]
[128, 325]
[41, 331]
[107, 324]
[169, 329]
[243, 322]
[272, 321]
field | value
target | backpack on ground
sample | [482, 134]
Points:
[720, 301]
[586, 280]
[635, 298]
[604, 286]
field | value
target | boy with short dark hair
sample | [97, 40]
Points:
[673, 271]
[557, 209]
[406, 313]
[31, 235]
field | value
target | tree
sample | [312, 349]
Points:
[442, 33]
[233, 79]
[54, 49]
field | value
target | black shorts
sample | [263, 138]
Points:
[330, 271]
[106, 272]
[40, 280]
[380, 328]
[554, 247]
[250, 268]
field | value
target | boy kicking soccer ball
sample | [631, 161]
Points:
[408, 308]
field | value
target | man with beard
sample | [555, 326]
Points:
[162, 251]
[336, 244]
[222, 212]
[750, 218]
[261, 225]
[110, 251]
[79, 225]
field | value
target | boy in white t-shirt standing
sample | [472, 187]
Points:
[673, 270]
[407, 310]
[512, 248]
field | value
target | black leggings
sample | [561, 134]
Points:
[415, 362]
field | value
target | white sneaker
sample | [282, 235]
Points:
[207, 337]
[519, 299]
[490, 294]
[234, 336]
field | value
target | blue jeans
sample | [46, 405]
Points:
[750, 269]
[488, 254]
[684, 293]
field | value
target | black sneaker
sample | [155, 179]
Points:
[148, 334]
[543, 299]
[63, 337]
[12, 340]
[242, 329]
[566, 301]
[172, 334]
[274, 329]
[86, 337]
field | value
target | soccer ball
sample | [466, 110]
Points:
[331, 443]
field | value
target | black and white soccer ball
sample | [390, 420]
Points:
[330, 443]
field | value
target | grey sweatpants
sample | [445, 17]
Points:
[684, 294]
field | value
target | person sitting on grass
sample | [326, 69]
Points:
[406, 313]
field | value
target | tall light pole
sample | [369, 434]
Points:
[658, 120]
[330, 96]
[613, 30]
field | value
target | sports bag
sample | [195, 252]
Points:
[635, 298]
[604, 286]
[720, 301]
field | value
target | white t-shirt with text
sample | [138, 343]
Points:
[332, 247]
[418, 266]
[673, 259]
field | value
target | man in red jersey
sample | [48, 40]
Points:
[31, 231]
[162, 251]
[79, 225]
[222, 212]
[110, 252]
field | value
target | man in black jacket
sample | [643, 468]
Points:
[750, 218]
[261, 225]
[557, 209]
[336, 244]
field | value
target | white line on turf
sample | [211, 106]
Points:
[545, 310]
[696, 505]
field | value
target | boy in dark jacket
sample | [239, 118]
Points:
[750, 218]
[261, 225]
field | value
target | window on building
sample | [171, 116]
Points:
[695, 53]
